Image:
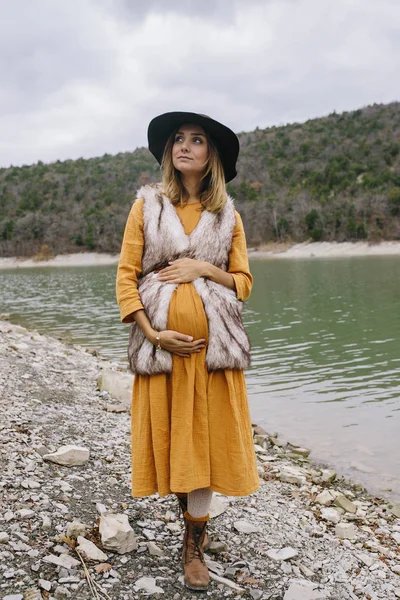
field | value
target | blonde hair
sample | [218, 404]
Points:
[213, 192]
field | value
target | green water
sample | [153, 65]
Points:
[326, 349]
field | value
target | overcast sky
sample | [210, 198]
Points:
[84, 77]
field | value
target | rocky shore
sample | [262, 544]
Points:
[306, 534]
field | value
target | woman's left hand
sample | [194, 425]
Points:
[182, 270]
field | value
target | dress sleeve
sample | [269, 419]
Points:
[130, 264]
[239, 262]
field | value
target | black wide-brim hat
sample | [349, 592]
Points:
[224, 139]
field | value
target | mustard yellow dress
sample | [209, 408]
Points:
[190, 429]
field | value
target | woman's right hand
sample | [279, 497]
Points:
[179, 343]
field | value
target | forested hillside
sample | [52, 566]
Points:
[333, 178]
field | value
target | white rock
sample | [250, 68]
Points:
[45, 585]
[4, 537]
[117, 384]
[346, 530]
[282, 554]
[76, 529]
[174, 527]
[148, 584]
[20, 546]
[396, 569]
[331, 514]
[261, 439]
[290, 474]
[148, 534]
[170, 516]
[61, 593]
[69, 456]
[396, 537]
[327, 476]
[305, 570]
[30, 484]
[90, 550]
[218, 547]
[66, 487]
[154, 550]
[25, 513]
[101, 508]
[14, 597]
[217, 507]
[65, 560]
[299, 450]
[267, 458]
[117, 408]
[274, 440]
[397, 592]
[366, 559]
[305, 590]
[116, 533]
[343, 502]
[46, 522]
[58, 549]
[259, 449]
[246, 527]
[214, 566]
[325, 498]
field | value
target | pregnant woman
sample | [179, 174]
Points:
[183, 275]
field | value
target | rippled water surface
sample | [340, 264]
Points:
[326, 349]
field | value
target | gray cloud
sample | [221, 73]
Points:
[224, 10]
[85, 79]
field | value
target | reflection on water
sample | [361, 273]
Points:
[329, 327]
[325, 363]
[77, 304]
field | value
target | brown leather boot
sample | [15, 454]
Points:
[194, 566]
[183, 501]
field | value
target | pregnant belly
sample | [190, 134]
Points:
[186, 312]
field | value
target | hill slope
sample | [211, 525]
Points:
[332, 178]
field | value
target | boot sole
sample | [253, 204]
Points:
[197, 588]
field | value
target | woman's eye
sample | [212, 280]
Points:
[197, 139]
[178, 138]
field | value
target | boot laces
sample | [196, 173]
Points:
[195, 548]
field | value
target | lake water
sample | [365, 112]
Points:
[326, 349]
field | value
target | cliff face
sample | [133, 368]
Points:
[333, 178]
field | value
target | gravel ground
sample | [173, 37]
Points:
[306, 534]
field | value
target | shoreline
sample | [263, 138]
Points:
[271, 250]
[306, 532]
[78, 259]
[325, 250]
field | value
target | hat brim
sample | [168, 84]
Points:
[224, 139]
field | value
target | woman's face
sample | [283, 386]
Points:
[190, 150]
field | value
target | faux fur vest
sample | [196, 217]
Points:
[165, 240]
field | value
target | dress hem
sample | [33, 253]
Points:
[213, 488]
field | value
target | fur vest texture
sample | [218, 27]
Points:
[165, 240]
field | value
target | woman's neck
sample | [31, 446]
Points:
[192, 185]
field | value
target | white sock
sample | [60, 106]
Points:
[199, 502]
